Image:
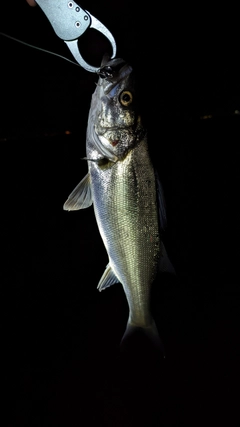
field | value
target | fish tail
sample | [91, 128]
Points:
[151, 332]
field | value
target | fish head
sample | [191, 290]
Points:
[115, 114]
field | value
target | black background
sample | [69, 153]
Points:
[60, 336]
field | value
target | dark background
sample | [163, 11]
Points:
[60, 337]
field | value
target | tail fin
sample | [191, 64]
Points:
[151, 332]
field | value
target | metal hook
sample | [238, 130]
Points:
[69, 22]
[73, 45]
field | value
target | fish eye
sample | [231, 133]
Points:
[125, 98]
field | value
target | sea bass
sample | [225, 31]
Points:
[123, 187]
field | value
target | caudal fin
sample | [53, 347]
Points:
[134, 331]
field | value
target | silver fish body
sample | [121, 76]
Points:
[121, 184]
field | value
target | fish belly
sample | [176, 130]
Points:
[125, 205]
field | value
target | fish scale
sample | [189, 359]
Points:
[127, 198]
[128, 224]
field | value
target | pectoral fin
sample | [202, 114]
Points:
[80, 197]
[108, 278]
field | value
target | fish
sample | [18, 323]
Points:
[126, 194]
